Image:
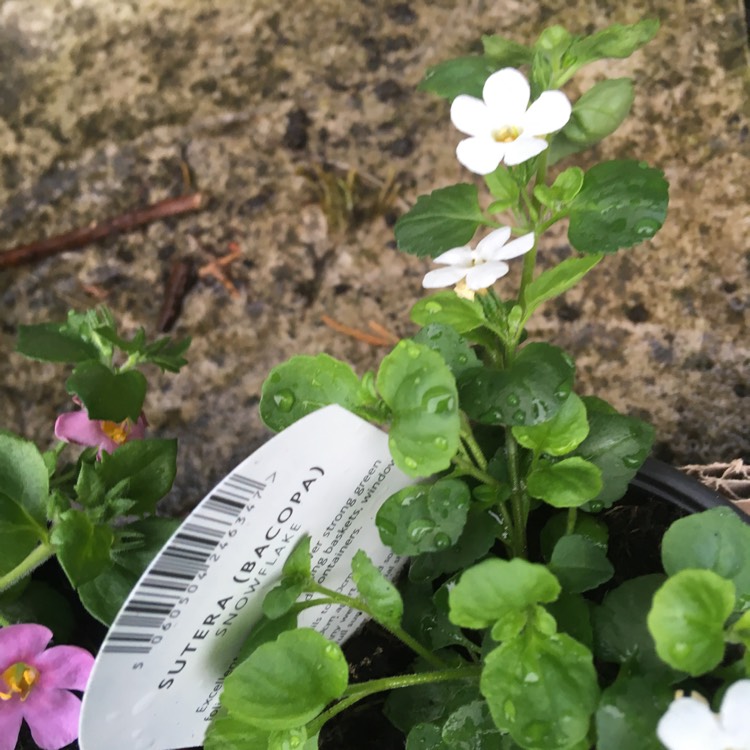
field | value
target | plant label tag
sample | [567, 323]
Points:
[160, 670]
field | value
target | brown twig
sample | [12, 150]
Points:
[78, 238]
[215, 268]
[181, 278]
[386, 338]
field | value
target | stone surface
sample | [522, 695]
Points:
[106, 106]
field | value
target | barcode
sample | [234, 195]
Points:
[156, 598]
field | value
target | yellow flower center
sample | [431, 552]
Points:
[507, 134]
[19, 679]
[117, 431]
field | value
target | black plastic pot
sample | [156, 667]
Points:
[679, 489]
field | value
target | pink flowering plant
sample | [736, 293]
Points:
[523, 633]
[91, 509]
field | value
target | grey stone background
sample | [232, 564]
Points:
[105, 105]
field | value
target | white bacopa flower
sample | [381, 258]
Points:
[481, 267]
[689, 723]
[503, 128]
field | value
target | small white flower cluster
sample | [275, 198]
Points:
[689, 723]
[502, 128]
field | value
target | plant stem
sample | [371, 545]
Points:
[517, 495]
[467, 467]
[36, 557]
[365, 689]
[572, 518]
[395, 630]
[468, 437]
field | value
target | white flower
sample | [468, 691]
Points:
[689, 723]
[481, 267]
[501, 127]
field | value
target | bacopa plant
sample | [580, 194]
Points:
[512, 647]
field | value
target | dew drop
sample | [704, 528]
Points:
[440, 443]
[332, 652]
[647, 227]
[438, 400]
[595, 506]
[462, 359]
[519, 417]
[513, 399]
[442, 541]
[631, 462]
[433, 307]
[413, 351]
[531, 677]
[562, 393]
[410, 463]
[284, 400]
[509, 709]
[417, 529]
[680, 650]
[387, 527]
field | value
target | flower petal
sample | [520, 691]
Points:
[64, 667]
[443, 277]
[485, 274]
[52, 716]
[550, 112]
[492, 243]
[456, 256]
[735, 713]
[523, 149]
[506, 94]
[10, 723]
[76, 427]
[22, 643]
[470, 115]
[480, 155]
[689, 724]
[139, 428]
[515, 248]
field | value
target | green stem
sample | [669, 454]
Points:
[572, 517]
[467, 435]
[395, 630]
[467, 467]
[365, 689]
[38, 555]
[517, 495]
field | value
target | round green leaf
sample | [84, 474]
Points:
[541, 689]
[687, 620]
[51, 342]
[304, 384]
[297, 565]
[622, 203]
[286, 683]
[82, 548]
[442, 220]
[559, 435]
[451, 346]
[531, 391]
[470, 727]
[23, 476]
[489, 590]
[106, 394]
[566, 484]
[420, 390]
[447, 308]
[556, 528]
[463, 75]
[279, 600]
[19, 534]
[423, 518]
[381, 596]
[716, 540]
[600, 111]
[580, 564]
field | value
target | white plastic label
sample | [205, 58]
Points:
[159, 673]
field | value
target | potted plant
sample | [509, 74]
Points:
[536, 608]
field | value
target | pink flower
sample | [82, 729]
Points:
[34, 686]
[76, 427]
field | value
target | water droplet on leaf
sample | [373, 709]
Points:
[513, 399]
[433, 307]
[442, 541]
[440, 443]
[284, 400]
[417, 529]
[438, 400]
[410, 463]
[509, 709]
[519, 417]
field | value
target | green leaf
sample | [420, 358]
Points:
[266, 630]
[280, 599]
[580, 564]
[39, 602]
[448, 309]
[616, 41]
[232, 732]
[107, 395]
[90, 487]
[531, 391]
[470, 727]
[617, 444]
[600, 111]
[81, 547]
[491, 589]
[381, 596]
[716, 540]
[104, 595]
[505, 53]
[450, 345]
[23, 476]
[305, 384]
[561, 434]
[504, 189]
[423, 736]
[167, 354]
[424, 518]
[541, 689]
[297, 565]
[286, 683]
[565, 187]
[588, 526]
[151, 534]
[622, 203]
[475, 541]
[440, 221]
[49, 342]
[464, 75]
[573, 616]
[420, 390]
[629, 711]
[687, 620]
[553, 282]
[620, 631]
[566, 484]
[149, 466]
[19, 534]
